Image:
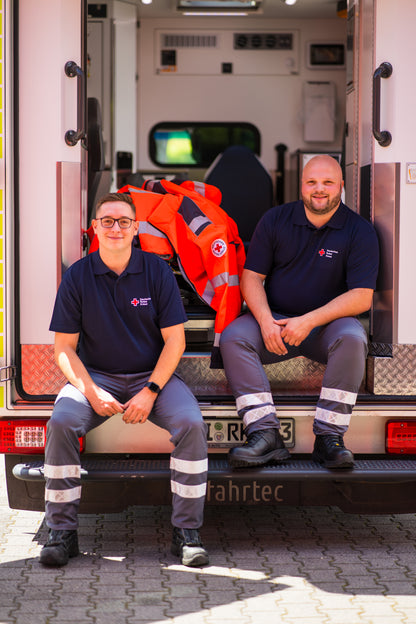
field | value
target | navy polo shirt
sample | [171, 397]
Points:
[307, 267]
[119, 317]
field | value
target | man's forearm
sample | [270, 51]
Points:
[73, 369]
[169, 359]
[351, 303]
[252, 289]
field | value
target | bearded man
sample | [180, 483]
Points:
[311, 269]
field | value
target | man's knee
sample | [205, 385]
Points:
[244, 333]
[352, 345]
[64, 418]
[231, 335]
[190, 426]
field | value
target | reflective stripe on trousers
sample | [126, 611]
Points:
[341, 345]
[175, 409]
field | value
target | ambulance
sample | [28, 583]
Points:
[98, 95]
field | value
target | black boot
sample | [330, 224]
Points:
[186, 544]
[330, 451]
[260, 448]
[60, 546]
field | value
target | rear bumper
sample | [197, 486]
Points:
[112, 483]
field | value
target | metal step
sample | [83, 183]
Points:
[113, 483]
[296, 469]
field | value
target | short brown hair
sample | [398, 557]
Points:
[116, 197]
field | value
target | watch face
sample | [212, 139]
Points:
[153, 387]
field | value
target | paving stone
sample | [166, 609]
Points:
[37, 607]
[82, 621]
[274, 564]
[401, 587]
[178, 605]
[35, 618]
[187, 591]
[123, 617]
[147, 614]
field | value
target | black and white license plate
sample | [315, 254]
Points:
[227, 432]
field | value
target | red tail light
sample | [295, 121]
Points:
[401, 437]
[25, 436]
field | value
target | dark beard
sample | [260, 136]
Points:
[330, 206]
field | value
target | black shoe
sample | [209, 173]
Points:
[60, 546]
[187, 545]
[330, 451]
[260, 448]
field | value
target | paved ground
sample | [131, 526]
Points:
[268, 565]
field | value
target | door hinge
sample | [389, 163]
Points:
[7, 373]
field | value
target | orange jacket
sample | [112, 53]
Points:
[177, 219]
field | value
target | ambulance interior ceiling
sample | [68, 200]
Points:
[302, 9]
[270, 95]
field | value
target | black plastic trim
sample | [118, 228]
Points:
[367, 469]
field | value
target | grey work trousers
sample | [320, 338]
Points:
[175, 409]
[341, 345]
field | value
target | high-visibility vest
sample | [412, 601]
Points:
[178, 219]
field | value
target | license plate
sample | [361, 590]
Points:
[227, 432]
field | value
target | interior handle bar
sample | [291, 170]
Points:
[383, 137]
[72, 70]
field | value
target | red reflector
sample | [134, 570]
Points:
[401, 437]
[25, 436]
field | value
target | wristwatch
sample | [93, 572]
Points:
[153, 387]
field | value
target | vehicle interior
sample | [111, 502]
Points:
[209, 145]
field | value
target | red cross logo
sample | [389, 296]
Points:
[218, 247]
[135, 302]
[321, 252]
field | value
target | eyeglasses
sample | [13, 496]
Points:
[123, 222]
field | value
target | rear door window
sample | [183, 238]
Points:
[197, 144]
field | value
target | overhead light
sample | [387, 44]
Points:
[218, 7]
[215, 13]
[146, 1]
[289, 2]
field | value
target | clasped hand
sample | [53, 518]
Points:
[287, 331]
[136, 410]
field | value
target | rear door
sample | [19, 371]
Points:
[50, 195]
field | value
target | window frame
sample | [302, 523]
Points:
[185, 125]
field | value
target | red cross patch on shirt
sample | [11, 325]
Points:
[142, 301]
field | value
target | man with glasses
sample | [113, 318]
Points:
[118, 322]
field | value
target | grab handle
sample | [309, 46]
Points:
[72, 70]
[383, 137]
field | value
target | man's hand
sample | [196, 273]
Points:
[103, 403]
[138, 408]
[294, 330]
[272, 337]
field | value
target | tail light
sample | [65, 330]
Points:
[25, 436]
[401, 437]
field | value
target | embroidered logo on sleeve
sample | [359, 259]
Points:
[141, 301]
[218, 247]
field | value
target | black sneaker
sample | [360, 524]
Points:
[330, 451]
[186, 544]
[261, 447]
[60, 546]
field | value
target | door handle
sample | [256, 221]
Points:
[72, 70]
[383, 137]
